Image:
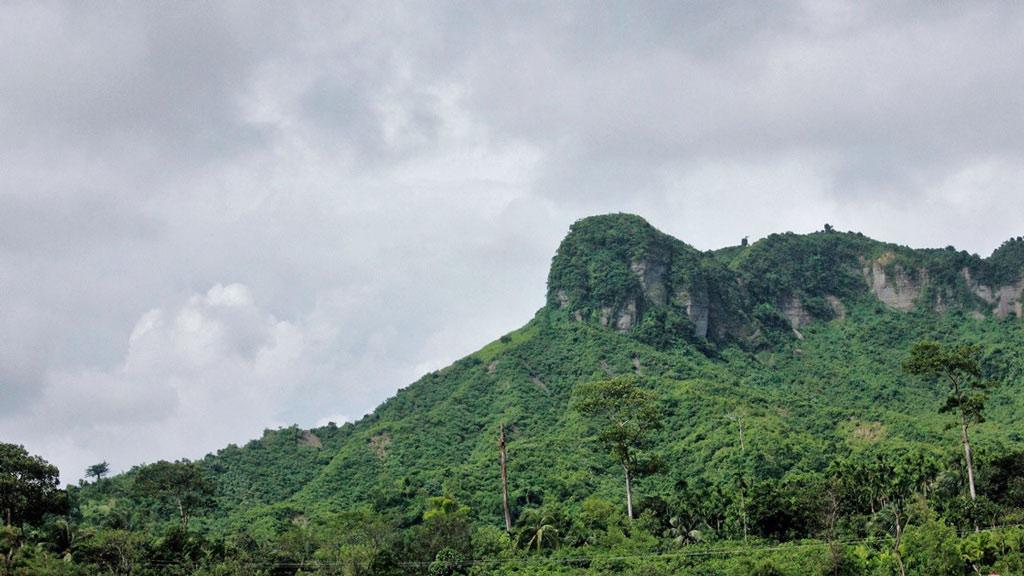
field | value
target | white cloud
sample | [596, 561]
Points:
[386, 184]
[215, 370]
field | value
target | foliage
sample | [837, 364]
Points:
[931, 548]
[98, 471]
[28, 486]
[780, 451]
[960, 367]
[180, 485]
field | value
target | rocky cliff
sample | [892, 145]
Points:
[619, 272]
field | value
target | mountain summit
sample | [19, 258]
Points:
[619, 271]
[770, 364]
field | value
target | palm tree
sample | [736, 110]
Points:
[685, 530]
[539, 528]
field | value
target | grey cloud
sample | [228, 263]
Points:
[152, 85]
[912, 89]
[389, 181]
[66, 227]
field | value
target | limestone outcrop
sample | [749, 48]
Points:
[619, 272]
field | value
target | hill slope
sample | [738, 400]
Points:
[769, 361]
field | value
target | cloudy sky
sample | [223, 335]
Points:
[221, 217]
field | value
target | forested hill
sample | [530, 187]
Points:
[772, 367]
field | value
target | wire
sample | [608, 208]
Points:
[582, 560]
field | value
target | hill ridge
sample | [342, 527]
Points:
[617, 270]
[769, 361]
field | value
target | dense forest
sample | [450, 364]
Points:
[804, 404]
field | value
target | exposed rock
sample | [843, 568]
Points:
[492, 367]
[795, 312]
[612, 270]
[537, 382]
[979, 290]
[627, 317]
[563, 298]
[899, 290]
[651, 275]
[307, 438]
[697, 310]
[837, 306]
[379, 444]
[1004, 299]
[1008, 299]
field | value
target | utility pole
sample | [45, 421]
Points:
[504, 477]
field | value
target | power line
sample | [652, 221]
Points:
[582, 560]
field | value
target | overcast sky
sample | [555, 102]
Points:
[217, 218]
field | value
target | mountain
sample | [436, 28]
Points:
[770, 361]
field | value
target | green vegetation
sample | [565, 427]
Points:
[960, 367]
[626, 415]
[806, 431]
[97, 471]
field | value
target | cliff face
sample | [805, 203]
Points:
[898, 289]
[621, 273]
[1005, 300]
[617, 270]
[905, 290]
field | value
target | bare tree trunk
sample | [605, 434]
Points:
[967, 456]
[182, 515]
[9, 560]
[629, 492]
[504, 478]
[970, 465]
[899, 538]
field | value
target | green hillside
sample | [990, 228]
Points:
[792, 439]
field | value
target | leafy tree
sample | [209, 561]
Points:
[28, 491]
[887, 481]
[625, 414]
[1004, 477]
[114, 551]
[28, 486]
[960, 367]
[446, 524]
[180, 484]
[540, 527]
[98, 471]
[448, 562]
[352, 542]
[931, 548]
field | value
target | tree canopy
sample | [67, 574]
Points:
[29, 486]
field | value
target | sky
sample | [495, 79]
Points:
[222, 217]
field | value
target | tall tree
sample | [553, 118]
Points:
[28, 486]
[504, 478]
[960, 367]
[28, 491]
[98, 471]
[180, 484]
[625, 414]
